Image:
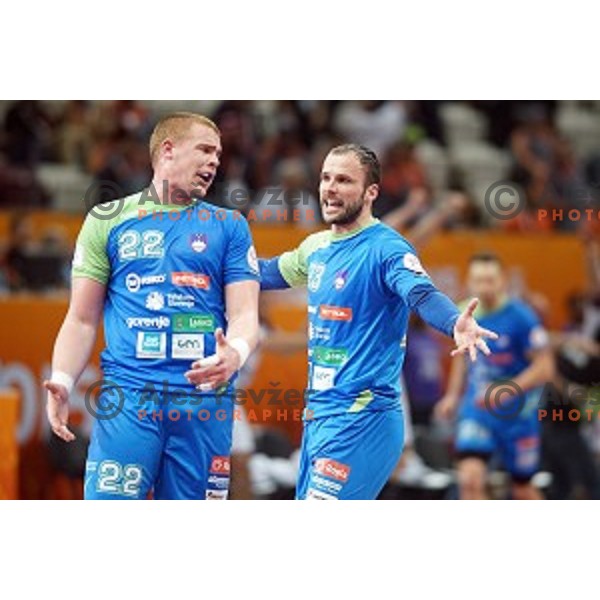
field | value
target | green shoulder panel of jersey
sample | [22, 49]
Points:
[293, 265]
[91, 259]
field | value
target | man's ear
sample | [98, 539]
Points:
[372, 192]
[166, 149]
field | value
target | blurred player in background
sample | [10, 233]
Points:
[168, 284]
[494, 418]
[363, 279]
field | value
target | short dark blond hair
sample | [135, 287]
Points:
[366, 157]
[174, 127]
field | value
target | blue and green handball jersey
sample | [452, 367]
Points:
[358, 308]
[165, 268]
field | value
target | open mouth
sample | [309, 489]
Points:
[333, 204]
[206, 178]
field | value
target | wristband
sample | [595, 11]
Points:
[63, 378]
[243, 348]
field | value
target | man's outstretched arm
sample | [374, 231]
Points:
[270, 275]
[437, 310]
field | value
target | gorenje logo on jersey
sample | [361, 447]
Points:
[134, 282]
[148, 322]
[335, 313]
[193, 280]
[193, 323]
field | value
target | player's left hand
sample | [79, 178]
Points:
[469, 336]
[209, 373]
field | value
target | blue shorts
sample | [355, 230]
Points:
[176, 450]
[516, 441]
[349, 456]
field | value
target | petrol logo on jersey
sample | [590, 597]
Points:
[220, 465]
[199, 242]
[193, 280]
[315, 274]
[335, 313]
[333, 469]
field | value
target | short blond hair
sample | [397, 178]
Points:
[174, 127]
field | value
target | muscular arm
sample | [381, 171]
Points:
[72, 350]
[241, 304]
[76, 338]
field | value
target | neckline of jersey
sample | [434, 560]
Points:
[170, 205]
[336, 237]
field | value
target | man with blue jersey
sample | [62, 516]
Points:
[498, 408]
[170, 273]
[363, 279]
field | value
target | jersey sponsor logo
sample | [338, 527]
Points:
[180, 300]
[332, 469]
[315, 274]
[314, 494]
[220, 483]
[322, 378]
[134, 282]
[316, 332]
[193, 280]
[253, 260]
[199, 242]
[220, 465]
[340, 279]
[155, 301]
[323, 483]
[149, 322]
[187, 345]
[332, 357]
[151, 344]
[216, 494]
[412, 263]
[193, 323]
[335, 313]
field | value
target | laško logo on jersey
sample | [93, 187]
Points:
[199, 242]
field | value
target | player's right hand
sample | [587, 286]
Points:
[445, 409]
[57, 409]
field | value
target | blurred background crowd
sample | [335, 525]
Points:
[438, 158]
